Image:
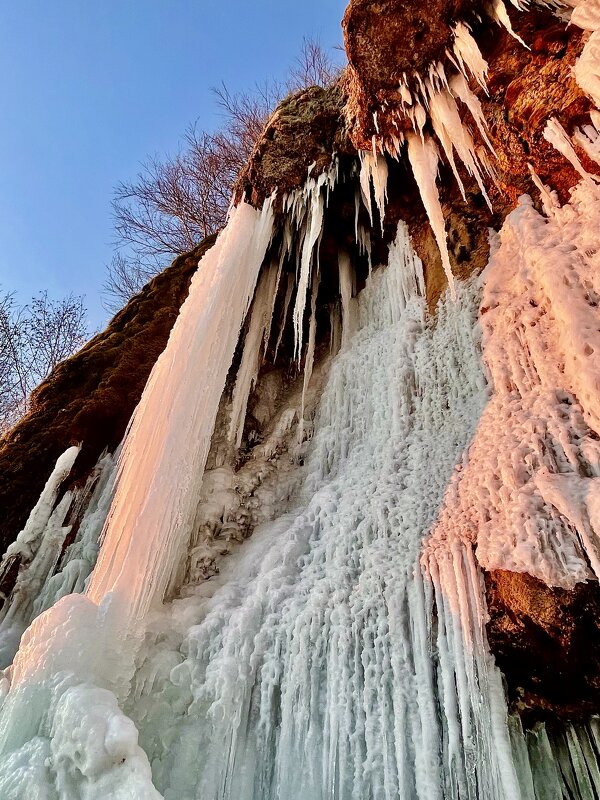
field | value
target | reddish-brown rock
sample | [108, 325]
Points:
[547, 643]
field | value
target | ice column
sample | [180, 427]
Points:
[165, 451]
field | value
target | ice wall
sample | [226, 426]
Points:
[314, 671]
[528, 490]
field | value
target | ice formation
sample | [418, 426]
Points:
[37, 547]
[254, 342]
[165, 451]
[501, 14]
[432, 100]
[558, 138]
[588, 138]
[346, 278]
[424, 156]
[587, 68]
[528, 490]
[374, 171]
[304, 213]
[312, 673]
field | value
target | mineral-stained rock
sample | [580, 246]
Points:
[547, 643]
[385, 39]
[526, 88]
[90, 397]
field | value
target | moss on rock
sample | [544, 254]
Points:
[91, 396]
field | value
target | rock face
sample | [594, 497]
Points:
[305, 131]
[526, 88]
[90, 397]
[547, 643]
[385, 39]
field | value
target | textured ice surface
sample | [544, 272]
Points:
[527, 490]
[586, 15]
[313, 671]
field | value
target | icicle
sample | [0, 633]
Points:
[363, 241]
[405, 95]
[316, 206]
[260, 320]
[423, 90]
[163, 457]
[588, 139]
[501, 16]
[419, 119]
[310, 349]
[468, 55]
[452, 133]
[335, 327]
[423, 158]
[274, 291]
[549, 199]
[444, 126]
[346, 278]
[286, 305]
[365, 184]
[460, 88]
[374, 170]
[442, 74]
[557, 136]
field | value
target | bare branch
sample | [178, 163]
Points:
[174, 203]
[34, 338]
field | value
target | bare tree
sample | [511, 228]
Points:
[174, 203]
[126, 277]
[312, 67]
[34, 338]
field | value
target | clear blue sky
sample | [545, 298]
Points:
[90, 88]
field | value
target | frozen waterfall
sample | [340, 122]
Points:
[316, 672]
[341, 653]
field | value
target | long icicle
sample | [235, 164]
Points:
[167, 445]
[423, 156]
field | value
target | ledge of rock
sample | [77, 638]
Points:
[385, 39]
[305, 131]
[546, 641]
